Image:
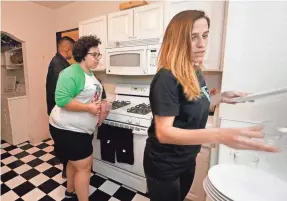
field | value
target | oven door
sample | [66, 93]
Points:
[139, 140]
[126, 60]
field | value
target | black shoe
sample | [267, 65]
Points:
[64, 175]
[70, 195]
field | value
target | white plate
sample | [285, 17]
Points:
[215, 192]
[241, 183]
[255, 96]
[209, 194]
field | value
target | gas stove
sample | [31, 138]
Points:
[118, 104]
[131, 108]
[140, 109]
[132, 113]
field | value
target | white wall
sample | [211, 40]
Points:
[34, 25]
[255, 60]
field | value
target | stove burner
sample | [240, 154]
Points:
[140, 109]
[117, 104]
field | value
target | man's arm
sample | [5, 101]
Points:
[54, 70]
[57, 67]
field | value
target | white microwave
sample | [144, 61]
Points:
[134, 60]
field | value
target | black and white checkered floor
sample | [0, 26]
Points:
[27, 173]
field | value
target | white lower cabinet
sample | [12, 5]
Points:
[14, 122]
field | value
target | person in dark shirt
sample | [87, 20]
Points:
[57, 64]
[180, 104]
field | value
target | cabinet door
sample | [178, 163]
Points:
[6, 130]
[18, 109]
[174, 7]
[215, 10]
[197, 192]
[120, 26]
[148, 21]
[96, 26]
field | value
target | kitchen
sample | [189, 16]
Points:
[132, 24]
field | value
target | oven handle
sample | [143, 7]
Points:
[140, 132]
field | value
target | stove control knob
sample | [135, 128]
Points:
[130, 121]
[137, 122]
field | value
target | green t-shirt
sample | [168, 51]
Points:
[74, 83]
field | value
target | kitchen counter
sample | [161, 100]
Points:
[210, 146]
[13, 95]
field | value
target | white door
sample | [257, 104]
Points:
[96, 26]
[120, 26]
[215, 10]
[148, 21]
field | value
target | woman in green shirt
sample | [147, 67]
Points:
[74, 119]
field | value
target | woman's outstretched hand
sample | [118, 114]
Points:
[241, 138]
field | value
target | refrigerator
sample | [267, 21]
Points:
[255, 60]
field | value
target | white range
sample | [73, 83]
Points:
[130, 110]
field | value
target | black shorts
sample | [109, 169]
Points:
[70, 145]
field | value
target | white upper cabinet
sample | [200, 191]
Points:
[174, 7]
[139, 23]
[96, 26]
[148, 21]
[215, 10]
[120, 25]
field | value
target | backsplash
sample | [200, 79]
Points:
[213, 80]
[109, 81]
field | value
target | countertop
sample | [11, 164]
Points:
[13, 95]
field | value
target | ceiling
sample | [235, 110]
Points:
[52, 4]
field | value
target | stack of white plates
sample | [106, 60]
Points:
[228, 182]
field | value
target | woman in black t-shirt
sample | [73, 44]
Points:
[180, 104]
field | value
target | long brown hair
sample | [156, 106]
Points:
[175, 53]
